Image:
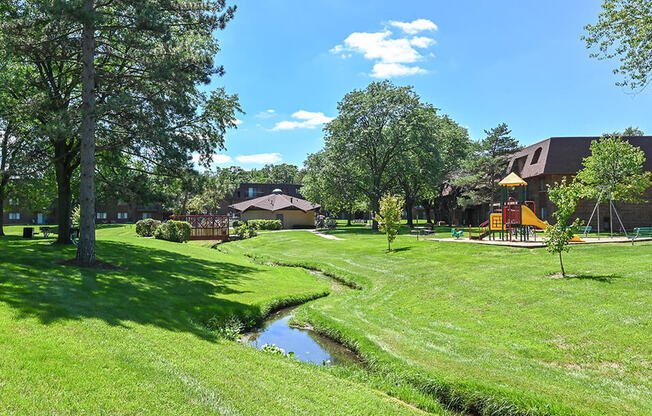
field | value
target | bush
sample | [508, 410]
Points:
[244, 231]
[177, 231]
[147, 227]
[265, 224]
[236, 223]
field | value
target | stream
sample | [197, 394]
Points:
[307, 345]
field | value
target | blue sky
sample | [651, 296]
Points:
[481, 62]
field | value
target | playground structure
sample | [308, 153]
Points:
[206, 227]
[511, 220]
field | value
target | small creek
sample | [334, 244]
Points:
[307, 345]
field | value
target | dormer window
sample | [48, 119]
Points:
[535, 157]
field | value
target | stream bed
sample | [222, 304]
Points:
[307, 345]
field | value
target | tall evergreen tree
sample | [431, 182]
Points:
[149, 58]
[486, 166]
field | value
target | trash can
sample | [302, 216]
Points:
[28, 232]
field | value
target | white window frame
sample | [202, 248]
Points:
[146, 215]
[100, 215]
[123, 215]
[14, 216]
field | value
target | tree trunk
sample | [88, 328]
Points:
[561, 263]
[86, 247]
[64, 195]
[375, 207]
[348, 218]
[427, 207]
[409, 204]
[3, 186]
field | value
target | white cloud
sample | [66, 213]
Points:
[382, 70]
[260, 158]
[421, 42]
[414, 27]
[306, 120]
[391, 54]
[266, 114]
[237, 121]
[379, 46]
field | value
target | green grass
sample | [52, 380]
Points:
[131, 341]
[487, 329]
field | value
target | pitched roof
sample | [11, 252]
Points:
[564, 155]
[275, 202]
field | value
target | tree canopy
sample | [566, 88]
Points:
[616, 167]
[624, 31]
[486, 165]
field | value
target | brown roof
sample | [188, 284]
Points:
[564, 155]
[275, 202]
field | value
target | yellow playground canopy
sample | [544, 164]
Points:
[512, 180]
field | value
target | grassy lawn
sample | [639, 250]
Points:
[486, 328]
[131, 341]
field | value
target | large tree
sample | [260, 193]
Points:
[486, 165]
[624, 31]
[327, 183]
[369, 135]
[19, 154]
[614, 170]
[149, 58]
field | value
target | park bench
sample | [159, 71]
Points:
[46, 231]
[585, 229]
[641, 232]
[457, 233]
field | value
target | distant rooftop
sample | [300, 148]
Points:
[275, 202]
[564, 155]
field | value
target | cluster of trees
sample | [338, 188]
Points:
[386, 140]
[108, 88]
[206, 192]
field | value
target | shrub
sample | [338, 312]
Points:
[230, 328]
[265, 224]
[236, 223]
[147, 227]
[244, 231]
[177, 231]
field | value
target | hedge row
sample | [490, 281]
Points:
[265, 224]
[178, 231]
[147, 227]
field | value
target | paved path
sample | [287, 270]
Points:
[327, 236]
[539, 242]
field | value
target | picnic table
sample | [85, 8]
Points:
[422, 231]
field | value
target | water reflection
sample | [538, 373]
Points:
[305, 344]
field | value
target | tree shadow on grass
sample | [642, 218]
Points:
[596, 277]
[155, 287]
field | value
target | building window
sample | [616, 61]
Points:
[146, 215]
[123, 215]
[542, 185]
[100, 215]
[14, 215]
[13, 202]
[251, 192]
[537, 154]
[543, 213]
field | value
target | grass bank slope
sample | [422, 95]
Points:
[131, 341]
[488, 329]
